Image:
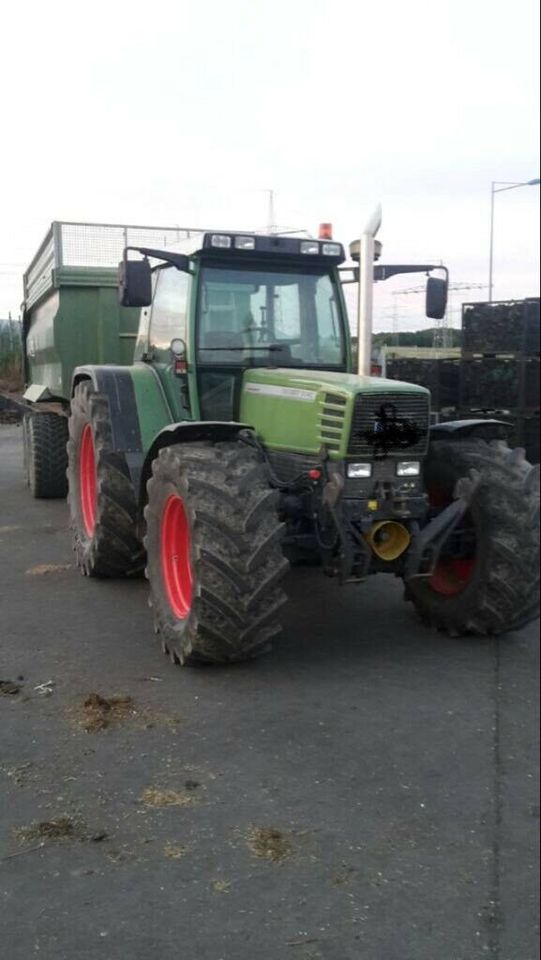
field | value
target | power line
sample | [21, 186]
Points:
[442, 335]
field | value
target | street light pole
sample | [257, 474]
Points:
[500, 186]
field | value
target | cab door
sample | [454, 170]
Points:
[169, 321]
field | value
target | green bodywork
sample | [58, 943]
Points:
[299, 411]
[290, 410]
[153, 408]
[78, 321]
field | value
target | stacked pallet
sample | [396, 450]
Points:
[441, 377]
[499, 368]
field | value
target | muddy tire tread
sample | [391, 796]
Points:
[46, 455]
[115, 549]
[237, 559]
[507, 589]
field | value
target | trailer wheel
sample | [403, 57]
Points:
[101, 498]
[214, 560]
[486, 581]
[44, 454]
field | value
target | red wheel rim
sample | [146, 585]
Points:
[175, 555]
[87, 480]
[452, 574]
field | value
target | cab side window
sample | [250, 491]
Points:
[169, 307]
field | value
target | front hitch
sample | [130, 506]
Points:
[426, 545]
[347, 555]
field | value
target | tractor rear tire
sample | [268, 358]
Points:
[102, 502]
[214, 560]
[45, 436]
[491, 586]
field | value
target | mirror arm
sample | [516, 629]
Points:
[383, 271]
[178, 260]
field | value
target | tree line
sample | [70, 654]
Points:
[10, 353]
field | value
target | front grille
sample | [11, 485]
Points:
[392, 423]
[331, 420]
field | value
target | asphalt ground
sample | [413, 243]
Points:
[368, 791]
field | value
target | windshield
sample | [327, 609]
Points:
[261, 317]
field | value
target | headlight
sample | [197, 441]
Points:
[310, 246]
[332, 249]
[408, 468]
[359, 471]
[245, 243]
[220, 240]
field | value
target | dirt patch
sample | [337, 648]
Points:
[20, 774]
[221, 886]
[268, 843]
[175, 851]
[63, 828]
[343, 875]
[44, 568]
[9, 528]
[98, 713]
[9, 689]
[10, 412]
[153, 797]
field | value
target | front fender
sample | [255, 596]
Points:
[186, 432]
[476, 429]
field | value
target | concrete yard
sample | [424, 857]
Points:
[368, 791]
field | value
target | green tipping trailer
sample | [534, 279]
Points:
[72, 315]
[71, 312]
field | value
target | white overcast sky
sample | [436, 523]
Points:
[185, 113]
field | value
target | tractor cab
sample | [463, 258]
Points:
[238, 301]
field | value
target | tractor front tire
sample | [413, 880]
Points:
[214, 561]
[102, 502]
[45, 436]
[488, 582]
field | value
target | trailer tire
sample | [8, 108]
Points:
[103, 508]
[24, 427]
[45, 458]
[214, 560]
[488, 583]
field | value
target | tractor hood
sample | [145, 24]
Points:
[299, 411]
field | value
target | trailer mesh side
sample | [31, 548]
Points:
[95, 245]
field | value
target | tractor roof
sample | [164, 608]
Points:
[245, 246]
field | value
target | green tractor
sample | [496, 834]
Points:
[240, 439]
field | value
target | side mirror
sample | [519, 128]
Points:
[134, 283]
[436, 298]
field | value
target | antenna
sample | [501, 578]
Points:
[271, 218]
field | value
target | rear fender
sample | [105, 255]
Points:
[137, 406]
[476, 429]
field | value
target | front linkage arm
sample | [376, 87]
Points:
[347, 555]
[427, 544]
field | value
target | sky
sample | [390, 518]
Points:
[189, 113]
